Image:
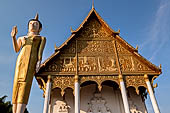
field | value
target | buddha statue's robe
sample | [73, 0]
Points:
[31, 52]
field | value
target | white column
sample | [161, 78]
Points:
[47, 95]
[77, 95]
[151, 94]
[124, 95]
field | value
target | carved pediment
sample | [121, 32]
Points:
[90, 60]
[96, 55]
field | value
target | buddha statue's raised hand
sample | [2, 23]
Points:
[14, 31]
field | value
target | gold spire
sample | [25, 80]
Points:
[36, 16]
[92, 4]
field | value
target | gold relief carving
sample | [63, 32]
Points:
[135, 81]
[125, 63]
[121, 49]
[133, 64]
[99, 79]
[87, 64]
[52, 67]
[130, 64]
[140, 66]
[70, 49]
[63, 64]
[94, 31]
[67, 64]
[107, 64]
[63, 82]
[95, 47]
[97, 64]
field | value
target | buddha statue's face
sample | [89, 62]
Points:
[33, 26]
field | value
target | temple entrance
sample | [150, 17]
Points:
[108, 100]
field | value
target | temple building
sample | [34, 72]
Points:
[96, 71]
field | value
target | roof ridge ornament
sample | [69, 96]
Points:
[160, 66]
[92, 4]
[56, 48]
[72, 31]
[137, 47]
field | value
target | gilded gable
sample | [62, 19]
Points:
[96, 52]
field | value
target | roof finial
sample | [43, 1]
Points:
[71, 29]
[137, 47]
[160, 66]
[56, 48]
[36, 16]
[92, 4]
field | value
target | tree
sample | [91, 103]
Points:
[6, 107]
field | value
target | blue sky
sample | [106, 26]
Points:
[141, 22]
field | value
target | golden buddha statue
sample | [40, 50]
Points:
[28, 62]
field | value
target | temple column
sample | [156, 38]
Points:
[47, 95]
[151, 94]
[124, 95]
[122, 84]
[77, 94]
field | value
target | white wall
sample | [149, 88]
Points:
[108, 101]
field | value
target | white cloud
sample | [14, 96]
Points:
[159, 29]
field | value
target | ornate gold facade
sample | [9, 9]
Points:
[92, 45]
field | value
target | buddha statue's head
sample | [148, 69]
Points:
[34, 26]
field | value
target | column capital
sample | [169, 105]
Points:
[76, 78]
[120, 78]
[151, 93]
[49, 78]
[146, 77]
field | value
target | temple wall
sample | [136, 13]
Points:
[108, 101]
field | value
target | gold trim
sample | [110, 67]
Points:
[118, 62]
[76, 75]
[117, 58]
[49, 78]
[63, 82]
[76, 78]
[153, 78]
[146, 77]
[99, 80]
[43, 85]
[136, 82]
[120, 78]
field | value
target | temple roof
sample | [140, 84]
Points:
[92, 11]
[131, 50]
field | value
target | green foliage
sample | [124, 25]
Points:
[6, 107]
